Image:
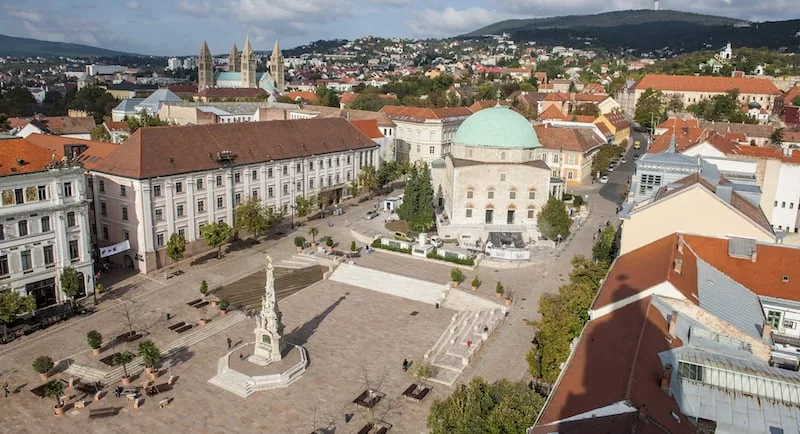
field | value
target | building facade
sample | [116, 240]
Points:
[569, 151]
[144, 201]
[243, 76]
[44, 223]
[424, 134]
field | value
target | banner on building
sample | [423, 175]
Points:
[116, 248]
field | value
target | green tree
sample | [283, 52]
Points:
[70, 282]
[176, 247]
[674, 103]
[253, 217]
[302, 206]
[94, 100]
[4, 125]
[368, 180]
[777, 136]
[54, 389]
[796, 101]
[327, 97]
[553, 219]
[14, 304]
[482, 407]
[650, 109]
[603, 249]
[100, 134]
[216, 234]
[387, 173]
[149, 353]
[417, 209]
[17, 101]
[145, 119]
[122, 359]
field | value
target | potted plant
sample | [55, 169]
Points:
[353, 246]
[313, 232]
[422, 371]
[476, 283]
[123, 359]
[203, 320]
[456, 276]
[55, 389]
[299, 242]
[508, 299]
[95, 340]
[499, 290]
[150, 354]
[43, 365]
[100, 288]
[329, 244]
[223, 307]
[203, 288]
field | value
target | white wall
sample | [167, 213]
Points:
[787, 196]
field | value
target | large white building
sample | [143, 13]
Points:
[166, 180]
[44, 222]
[491, 184]
[424, 134]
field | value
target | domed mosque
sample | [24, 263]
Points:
[492, 184]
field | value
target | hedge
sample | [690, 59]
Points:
[378, 245]
[470, 262]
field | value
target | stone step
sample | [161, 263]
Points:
[85, 373]
[232, 383]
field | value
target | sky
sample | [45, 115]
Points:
[178, 27]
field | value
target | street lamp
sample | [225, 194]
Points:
[558, 239]
[293, 207]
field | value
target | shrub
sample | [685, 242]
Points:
[378, 245]
[203, 287]
[224, 304]
[95, 339]
[149, 352]
[353, 246]
[433, 254]
[456, 275]
[54, 389]
[578, 201]
[499, 288]
[329, 242]
[299, 241]
[43, 364]
[100, 288]
[566, 197]
[476, 283]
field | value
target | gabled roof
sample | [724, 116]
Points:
[749, 130]
[552, 113]
[685, 138]
[617, 119]
[305, 95]
[604, 129]
[568, 139]
[128, 105]
[369, 127]
[116, 126]
[692, 83]
[153, 102]
[162, 151]
[19, 156]
[678, 124]
[419, 114]
[61, 125]
[90, 158]
[790, 95]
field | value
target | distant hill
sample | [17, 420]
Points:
[13, 46]
[647, 30]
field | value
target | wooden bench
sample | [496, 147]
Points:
[103, 412]
[416, 393]
[368, 399]
[201, 304]
[183, 329]
[194, 302]
[177, 325]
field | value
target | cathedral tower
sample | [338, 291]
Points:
[276, 67]
[205, 69]
[233, 60]
[248, 66]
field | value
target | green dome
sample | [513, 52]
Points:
[497, 127]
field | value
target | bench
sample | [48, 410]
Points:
[177, 326]
[160, 388]
[183, 329]
[368, 399]
[194, 302]
[416, 393]
[199, 305]
[103, 412]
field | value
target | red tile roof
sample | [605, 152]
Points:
[61, 125]
[419, 114]
[790, 95]
[678, 123]
[765, 152]
[369, 127]
[116, 126]
[685, 138]
[604, 129]
[552, 113]
[306, 96]
[568, 139]
[348, 98]
[618, 120]
[163, 151]
[21, 156]
[90, 158]
[692, 83]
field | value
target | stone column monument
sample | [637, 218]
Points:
[269, 345]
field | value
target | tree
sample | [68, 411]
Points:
[387, 173]
[94, 100]
[302, 206]
[145, 119]
[70, 282]
[327, 97]
[122, 359]
[368, 180]
[54, 389]
[4, 125]
[553, 219]
[313, 232]
[796, 101]
[17, 101]
[417, 208]
[216, 234]
[650, 109]
[777, 136]
[43, 365]
[176, 247]
[253, 217]
[603, 249]
[100, 134]
[499, 407]
[675, 103]
[14, 304]
[149, 353]
[94, 339]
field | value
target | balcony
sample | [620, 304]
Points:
[785, 339]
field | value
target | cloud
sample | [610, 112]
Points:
[449, 21]
[132, 4]
[26, 15]
[198, 8]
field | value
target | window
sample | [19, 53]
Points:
[102, 186]
[285, 188]
[469, 194]
[4, 271]
[531, 213]
[431, 150]
[491, 194]
[512, 195]
[49, 257]
[105, 232]
[329, 180]
[285, 170]
[649, 183]
[531, 195]
[270, 192]
[774, 318]
[310, 165]
[179, 210]
[178, 187]
[254, 175]
[570, 174]
[311, 184]
[160, 240]
[74, 253]
[45, 224]
[237, 177]
[219, 180]
[776, 204]
[298, 168]
[337, 161]
[103, 208]
[71, 219]
[469, 213]
[126, 235]
[42, 190]
[321, 181]
[502, 155]
[502, 177]
[26, 260]
[255, 194]
[159, 214]
[182, 233]
[199, 183]
[489, 216]
[329, 163]
[510, 217]
[299, 186]
[348, 159]
[220, 202]
[157, 191]
[124, 213]
[349, 175]
[690, 371]
[22, 227]
[285, 209]
[2, 232]
[269, 173]
[237, 198]
[122, 191]
[791, 205]
[783, 204]
[68, 189]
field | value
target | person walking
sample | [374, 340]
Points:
[229, 343]
[5, 389]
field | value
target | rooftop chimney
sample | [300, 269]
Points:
[666, 379]
[766, 332]
[673, 322]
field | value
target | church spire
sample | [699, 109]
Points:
[205, 68]
[276, 67]
[233, 60]
[248, 66]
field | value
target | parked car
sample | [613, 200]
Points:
[635, 157]
[611, 168]
[436, 241]
[637, 144]
[371, 214]
[402, 236]
[623, 161]
[604, 179]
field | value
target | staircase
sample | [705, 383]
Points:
[450, 354]
[248, 291]
[174, 349]
[231, 380]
